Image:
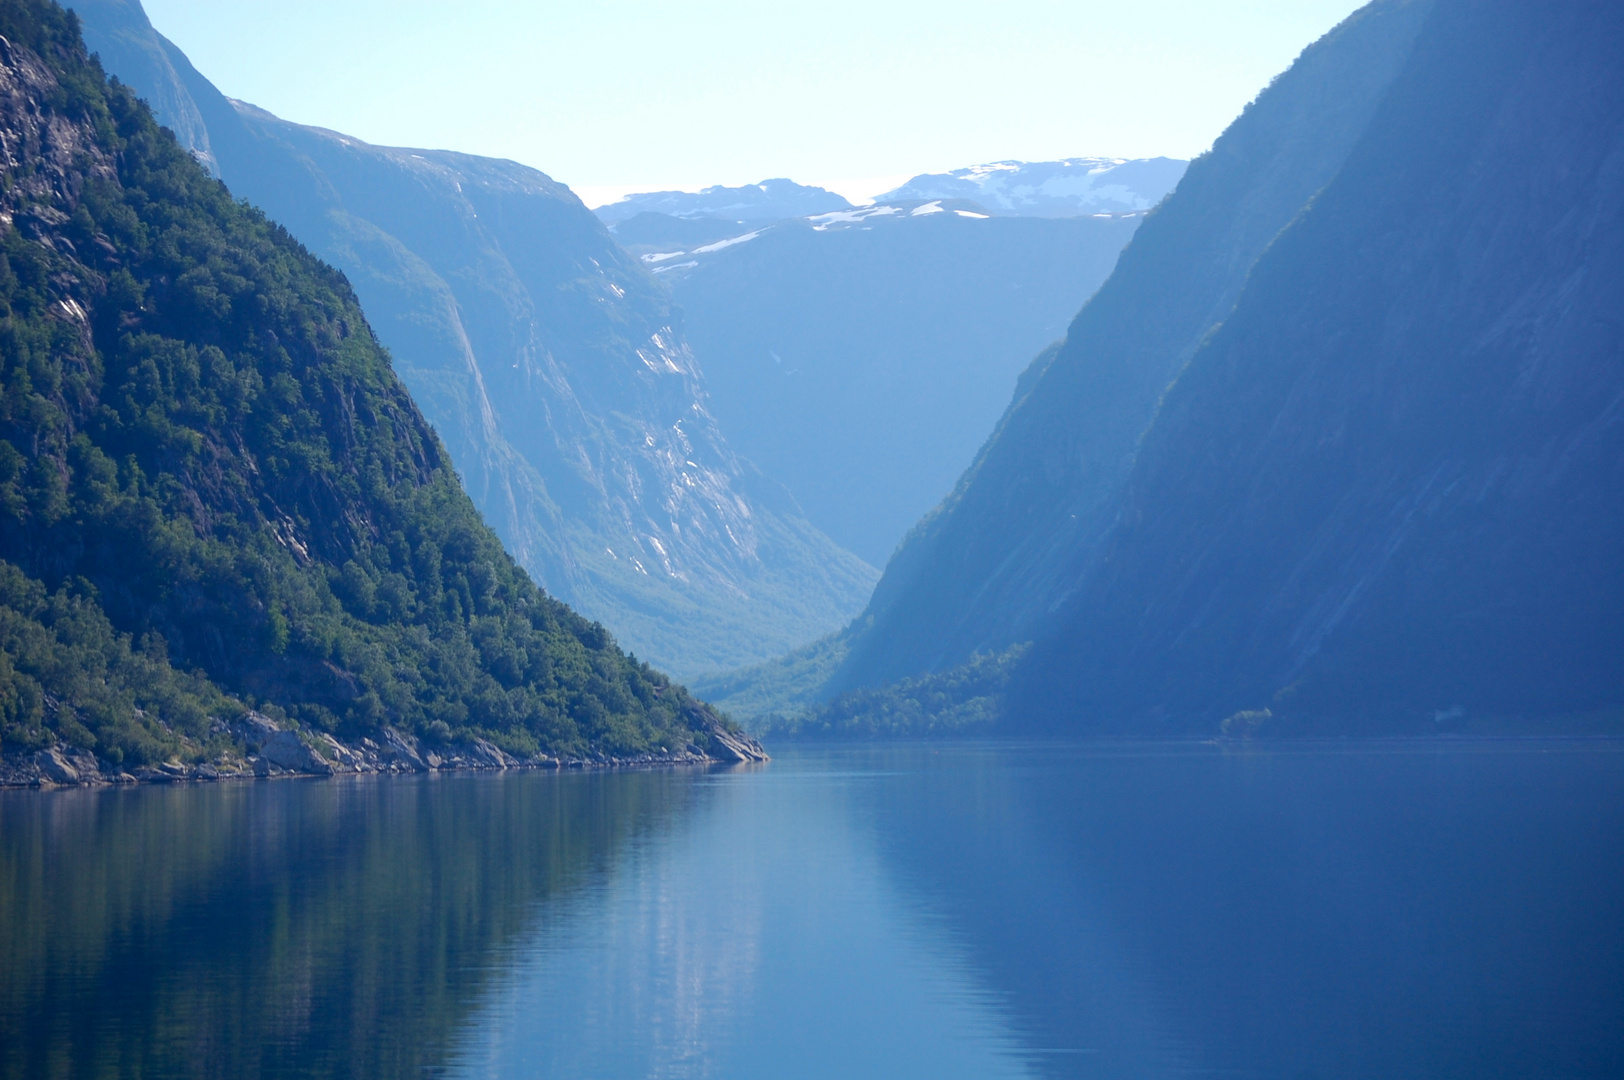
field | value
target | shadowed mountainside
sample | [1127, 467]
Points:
[988, 567]
[1386, 491]
[1336, 448]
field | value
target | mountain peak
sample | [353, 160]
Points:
[1066, 188]
[769, 200]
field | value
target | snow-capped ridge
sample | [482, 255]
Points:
[1070, 187]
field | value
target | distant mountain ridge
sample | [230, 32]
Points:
[1064, 188]
[861, 356]
[548, 360]
[766, 201]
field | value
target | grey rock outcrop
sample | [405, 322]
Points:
[54, 767]
[281, 748]
[404, 749]
[287, 750]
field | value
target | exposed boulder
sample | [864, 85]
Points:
[54, 767]
[403, 749]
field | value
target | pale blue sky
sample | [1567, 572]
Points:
[625, 95]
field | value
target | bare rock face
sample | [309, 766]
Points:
[736, 746]
[287, 750]
[283, 749]
[483, 755]
[54, 767]
[341, 755]
[403, 749]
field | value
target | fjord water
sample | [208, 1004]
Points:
[1420, 909]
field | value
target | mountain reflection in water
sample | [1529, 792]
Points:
[1394, 910]
[298, 928]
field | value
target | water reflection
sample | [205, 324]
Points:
[974, 912]
[761, 939]
[330, 929]
[1393, 910]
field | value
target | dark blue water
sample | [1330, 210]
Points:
[1365, 910]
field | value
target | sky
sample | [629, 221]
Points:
[615, 96]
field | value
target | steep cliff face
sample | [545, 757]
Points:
[549, 362]
[992, 564]
[1387, 489]
[215, 493]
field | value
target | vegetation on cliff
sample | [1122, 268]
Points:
[965, 700]
[214, 491]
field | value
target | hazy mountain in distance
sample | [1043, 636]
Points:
[1024, 526]
[1064, 188]
[550, 363]
[649, 233]
[765, 201]
[861, 356]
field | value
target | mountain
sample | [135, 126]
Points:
[1338, 447]
[216, 496]
[1064, 188]
[1386, 491]
[861, 356]
[766, 201]
[985, 570]
[550, 363]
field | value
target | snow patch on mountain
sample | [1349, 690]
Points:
[720, 244]
[1071, 187]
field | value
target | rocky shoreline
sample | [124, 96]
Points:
[266, 749]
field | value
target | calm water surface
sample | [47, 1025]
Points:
[1358, 910]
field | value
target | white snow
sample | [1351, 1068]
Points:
[971, 214]
[928, 208]
[719, 245]
[821, 222]
[676, 266]
[663, 256]
[1070, 184]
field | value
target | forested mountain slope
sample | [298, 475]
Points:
[1024, 527]
[214, 491]
[547, 359]
[1387, 490]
